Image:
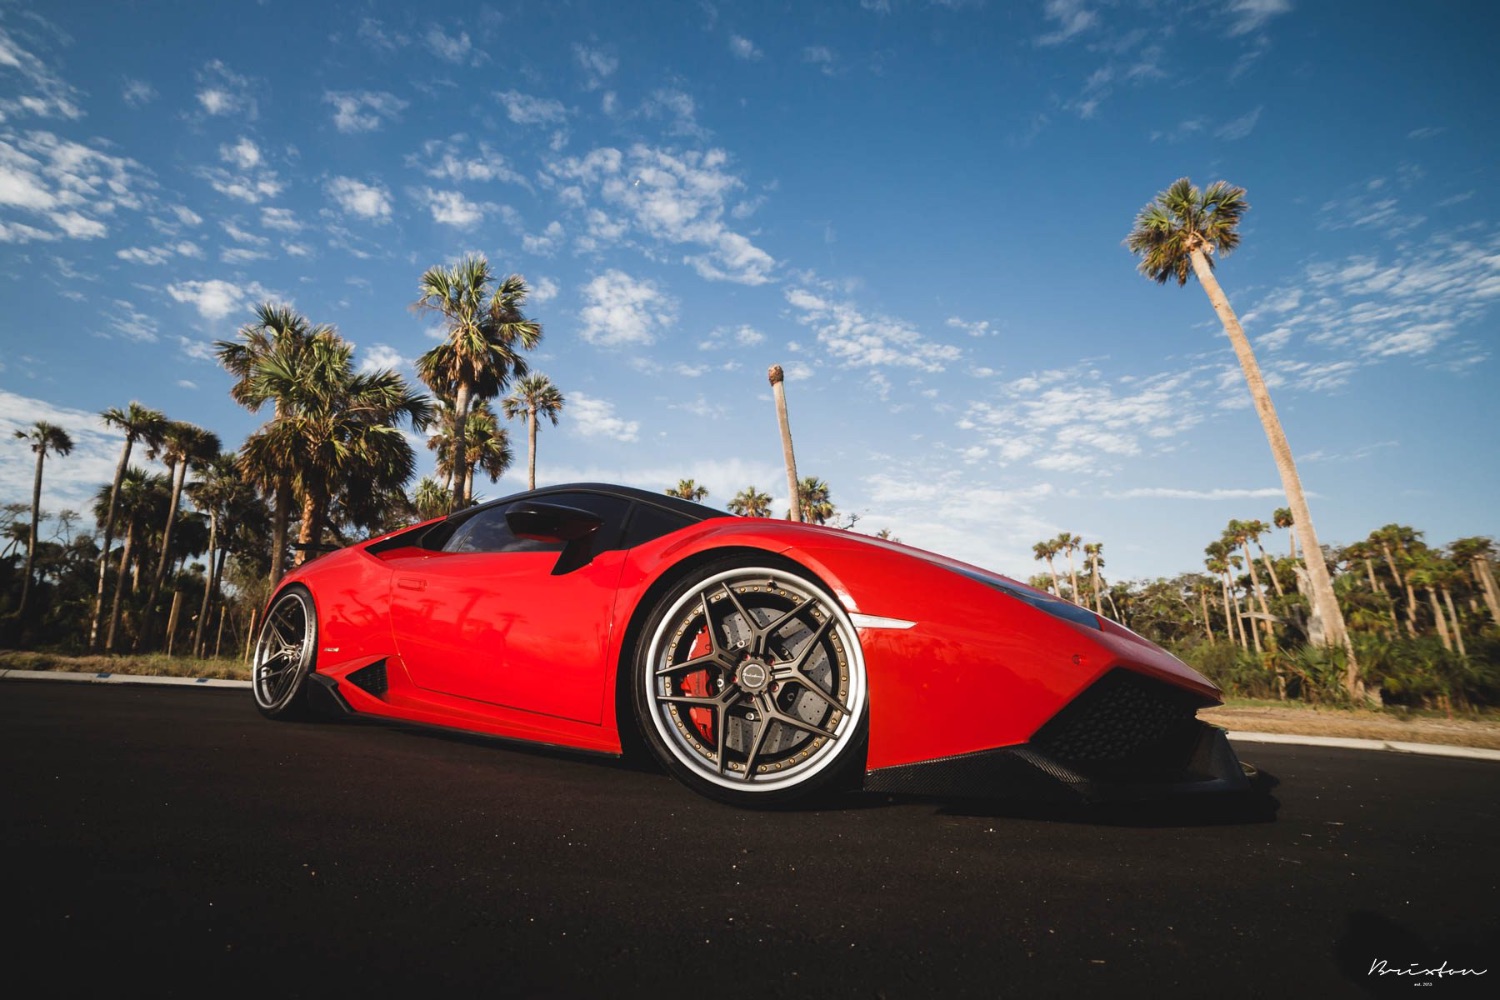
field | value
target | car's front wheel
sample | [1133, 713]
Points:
[284, 655]
[749, 684]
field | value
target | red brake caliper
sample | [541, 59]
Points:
[699, 685]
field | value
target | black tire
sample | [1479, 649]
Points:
[284, 656]
[749, 684]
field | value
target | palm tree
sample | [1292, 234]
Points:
[339, 431]
[487, 444]
[1283, 519]
[1178, 233]
[182, 445]
[42, 438]
[688, 490]
[142, 500]
[288, 333]
[220, 492]
[479, 356]
[751, 502]
[1068, 543]
[817, 500]
[794, 504]
[1048, 550]
[1094, 551]
[139, 424]
[429, 499]
[535, 396]
[1475, 552]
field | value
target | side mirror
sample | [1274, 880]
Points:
[550, 522]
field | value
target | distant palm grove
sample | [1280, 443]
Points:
[183, 562]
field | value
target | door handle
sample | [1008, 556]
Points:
[411, 583]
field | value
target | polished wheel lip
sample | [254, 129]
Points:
[282, 651]
[826, 749]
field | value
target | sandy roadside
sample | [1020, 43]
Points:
[1302, 721]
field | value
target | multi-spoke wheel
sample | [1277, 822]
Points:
[750, 684]
[284, 656]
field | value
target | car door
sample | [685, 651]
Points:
[487, 619]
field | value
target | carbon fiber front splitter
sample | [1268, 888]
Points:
[1025, 772]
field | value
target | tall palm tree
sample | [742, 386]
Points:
[339, 432]
[429, 499]
[220, 492]
[284, 330]
[817, 500]
[139, 424]
[778, 390]
[142, 501]
[751, 502]
[485, 331]
[535, 396]
[42, 438]
[1068, 543]
[183, 445]
[1475, 552]
[1178, 233]
[488, 447]
[1094, 553]
[1048, 550]
[687, 489]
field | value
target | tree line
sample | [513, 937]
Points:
[331, 461]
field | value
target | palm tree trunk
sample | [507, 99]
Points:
[1260, 597]
[1203, 599]
[460, 446]
[208, 583]
[1437, 617]
[1271, 571]
[109, 538]
[468, 485]
[794, 490]
[148, 618]
[1098, 609]
[1458, 635]
[1325, 601]
[1481, 568]
[280, 516]
[531, 447]
[114, 609]
[36, 510]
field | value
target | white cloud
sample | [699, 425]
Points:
[381, 356]
[445, 159]
[368, 201]
[224, 92]
[67, 184]
[524, 109]
[244, 154]
[622, 310]
[363, 111]
[452, 48]
[596, 65]
[743, 48]
[543, 290]
[822, 57]
[68, 484]
[281, 219]
[137, 93]
[49, 95]
[546, 243]
[1239, 128]
[215, 299]
[977, 328]
[1252, 15]
[451, 208]
[593, 417]
[671, 197]
[1071, 17]
[861, 340]
[1171, 493]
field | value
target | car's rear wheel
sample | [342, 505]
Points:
[749, 684]
[284, 655]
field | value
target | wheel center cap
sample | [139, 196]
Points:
[753, 677]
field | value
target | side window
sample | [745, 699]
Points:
[648, 522]
[488, 530]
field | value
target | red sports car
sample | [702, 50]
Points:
[760, 660]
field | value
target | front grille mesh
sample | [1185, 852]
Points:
[1121, 717]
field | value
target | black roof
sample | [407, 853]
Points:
[697, 511]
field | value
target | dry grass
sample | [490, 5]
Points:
[153, 665]
[1356, 723]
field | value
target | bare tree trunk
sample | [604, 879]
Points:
[794, 491]
[460, 446]
[1325, 602]
[531, 448]
[109, 538]
[1458, 635]
[1203, 599]
[1437, 617]
[36, 511]
[114, 609]
[1481, 569]
[206, 608]
[1271, 571]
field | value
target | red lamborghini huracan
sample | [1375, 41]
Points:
[760, 660]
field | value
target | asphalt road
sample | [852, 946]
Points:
[169, 842]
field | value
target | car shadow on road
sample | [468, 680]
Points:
[1255, 805]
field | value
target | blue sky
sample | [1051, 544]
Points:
[916, 207]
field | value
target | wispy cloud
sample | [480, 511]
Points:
[859, 339]
[1069, 17]
[223, 92]
[743, 48]
[620, 310]
[31, 87]
[355, 197]
[524, 109]
[594, 417]
[216, 298]
[364, 110]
